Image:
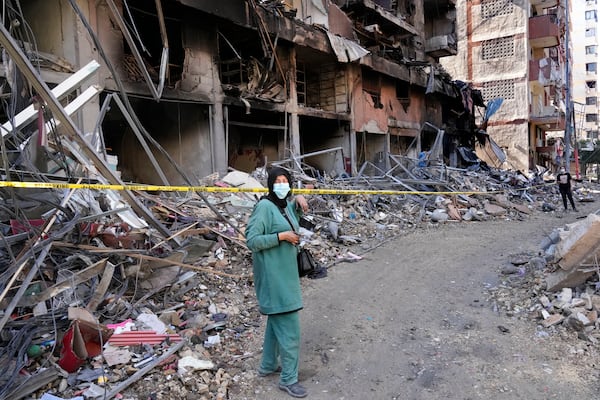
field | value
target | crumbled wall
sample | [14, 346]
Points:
[53, 28]
[514, 140]
[369, 118]
[199, 68]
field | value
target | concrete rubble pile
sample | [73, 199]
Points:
[558, 288]
[92, 305]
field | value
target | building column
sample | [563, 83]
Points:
[217, 139]
[353, 152]
[292, 106]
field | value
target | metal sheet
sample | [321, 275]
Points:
[346, 50]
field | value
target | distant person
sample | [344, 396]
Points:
[271, 235]
[564, 186]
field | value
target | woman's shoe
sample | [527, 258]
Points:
[294, 390]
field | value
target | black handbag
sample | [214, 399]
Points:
[307, 266]
[306, 263]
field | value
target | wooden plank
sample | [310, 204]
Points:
[102, 288]
[79, 277]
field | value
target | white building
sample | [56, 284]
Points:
[584, 42]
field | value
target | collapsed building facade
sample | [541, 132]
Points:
[239, 85]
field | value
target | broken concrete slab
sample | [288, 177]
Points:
[578, 242]
[495, 210]
[567, 278]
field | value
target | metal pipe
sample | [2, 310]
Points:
[568, 92]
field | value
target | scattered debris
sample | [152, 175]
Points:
[149, 295]
[557, 288]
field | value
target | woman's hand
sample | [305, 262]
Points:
[289, 236]
[301, 202]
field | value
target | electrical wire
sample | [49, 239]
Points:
[15, 351]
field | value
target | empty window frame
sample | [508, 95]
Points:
[503, 47]
[591, 68]
[590, 84]
[590, 101]
[591, 117]
[504, 89]
[403, 92]
[590, 15]
[493, 8]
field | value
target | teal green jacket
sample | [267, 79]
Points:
[275, 267]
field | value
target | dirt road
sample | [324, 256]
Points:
[412, 321]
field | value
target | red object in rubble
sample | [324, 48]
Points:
[17, 227]
[82, 340]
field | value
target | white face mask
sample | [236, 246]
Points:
[281, 190]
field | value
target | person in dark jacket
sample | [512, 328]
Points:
[564, 187]
[271, 235]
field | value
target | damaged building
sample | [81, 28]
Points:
[187, 97]
[175, 90]
[517, 50]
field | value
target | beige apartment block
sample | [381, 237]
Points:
[515, 50]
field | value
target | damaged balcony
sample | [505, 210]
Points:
[544, 31]
[544, 72]
[384, 28]
[440, 28]
[548, 118]
[544, 3]
[540, 5]
[441, 46]
[383, 13]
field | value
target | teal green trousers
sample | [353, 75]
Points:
[282, 341]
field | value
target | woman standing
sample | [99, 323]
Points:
[271, 235]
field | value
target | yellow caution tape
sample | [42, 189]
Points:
[218, 189]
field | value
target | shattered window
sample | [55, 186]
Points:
[498, 48]
[590, 84]
[493, 8]
[504, 89]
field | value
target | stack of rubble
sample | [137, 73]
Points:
[92, 301]
[558, 287]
